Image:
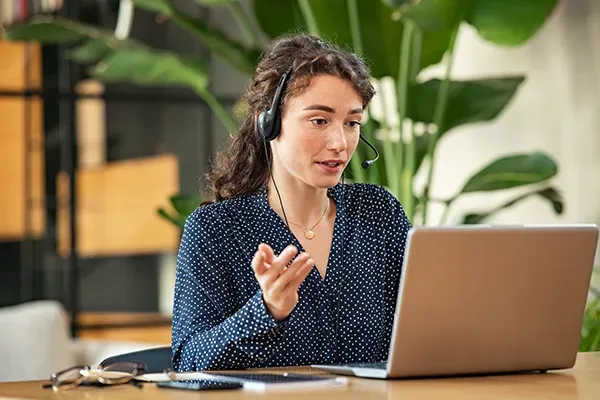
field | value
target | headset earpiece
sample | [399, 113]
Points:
[269, 121]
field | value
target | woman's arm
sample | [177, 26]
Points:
[207, 333]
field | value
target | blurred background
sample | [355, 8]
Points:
[488, 111]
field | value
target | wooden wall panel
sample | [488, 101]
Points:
[144, 334]
[91, 124]
[14, 59]
[138, 327]
[15, 156]
[116, 210]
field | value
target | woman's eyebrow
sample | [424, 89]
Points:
[328, 109]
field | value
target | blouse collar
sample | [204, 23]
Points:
[260, 198]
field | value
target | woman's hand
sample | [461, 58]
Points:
[279, 283]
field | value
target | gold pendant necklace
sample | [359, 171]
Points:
[309, 233]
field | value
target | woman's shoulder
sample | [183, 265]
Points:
[377, 195]
[211, 215]
[375, 203]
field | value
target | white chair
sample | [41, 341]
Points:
[35, 341]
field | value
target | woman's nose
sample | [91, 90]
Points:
[337, 140]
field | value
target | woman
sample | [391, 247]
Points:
[290, 267]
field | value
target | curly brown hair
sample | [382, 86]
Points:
[243, 169]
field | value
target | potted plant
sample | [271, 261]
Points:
[400, 38]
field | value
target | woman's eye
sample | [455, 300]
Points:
[354, 124]
[319, 121]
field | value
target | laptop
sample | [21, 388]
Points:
[481, 299]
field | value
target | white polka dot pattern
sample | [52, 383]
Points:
[220, 320]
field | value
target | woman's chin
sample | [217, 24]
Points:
[326, 182]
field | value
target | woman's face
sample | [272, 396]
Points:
[320, 130]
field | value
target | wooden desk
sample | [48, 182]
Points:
[581, 382]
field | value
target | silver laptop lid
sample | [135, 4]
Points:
[481, 299]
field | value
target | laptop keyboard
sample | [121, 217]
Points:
[275, 378]
[373, 365]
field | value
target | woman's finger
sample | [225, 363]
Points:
[280, 262]
[286, 276]
[299, 277]
[258, 263]
[268, 251]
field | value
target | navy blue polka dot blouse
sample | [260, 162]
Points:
[220, 320]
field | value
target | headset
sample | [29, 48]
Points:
[269, 121]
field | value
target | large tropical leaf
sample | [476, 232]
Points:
[512, 171]
[149, 67]
[159, 6]
[381, 36]
[92, 44]
[335, 27]
[92, 51]
[210, 3]
[381, 33]
[468, 101]
[421, 147]
[279, 17]
[51, 30]
[46, 30]
[550, 194]
[509, 22]
[434, 46]
[183, 206]
[590, 331]
[220, 44]
[434, 15]
[396, 3]
[436, 19]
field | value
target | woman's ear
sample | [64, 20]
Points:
[256, 112]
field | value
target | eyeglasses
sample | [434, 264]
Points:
[112, 374]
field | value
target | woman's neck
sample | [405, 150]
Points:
[303, 204]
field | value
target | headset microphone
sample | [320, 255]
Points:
[367, 163]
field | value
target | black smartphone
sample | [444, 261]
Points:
[201, 384]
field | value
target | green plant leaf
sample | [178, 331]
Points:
[512, 171]
[421, 146]
[185, 204]
[149, 67]
[46, 32]
[590, 332]
[550, 194]
[211, 3]
[509, 22]
[335, 29]
[468, 101]
[381, 35]
[92, 51]
[434, 15]
[279, 17]
[396, 3]
[51, 30]
[174, 220]
[159, 6]
[377, 26]
[434, 47]
[436, 19]
[379, 23]
[224, 47]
